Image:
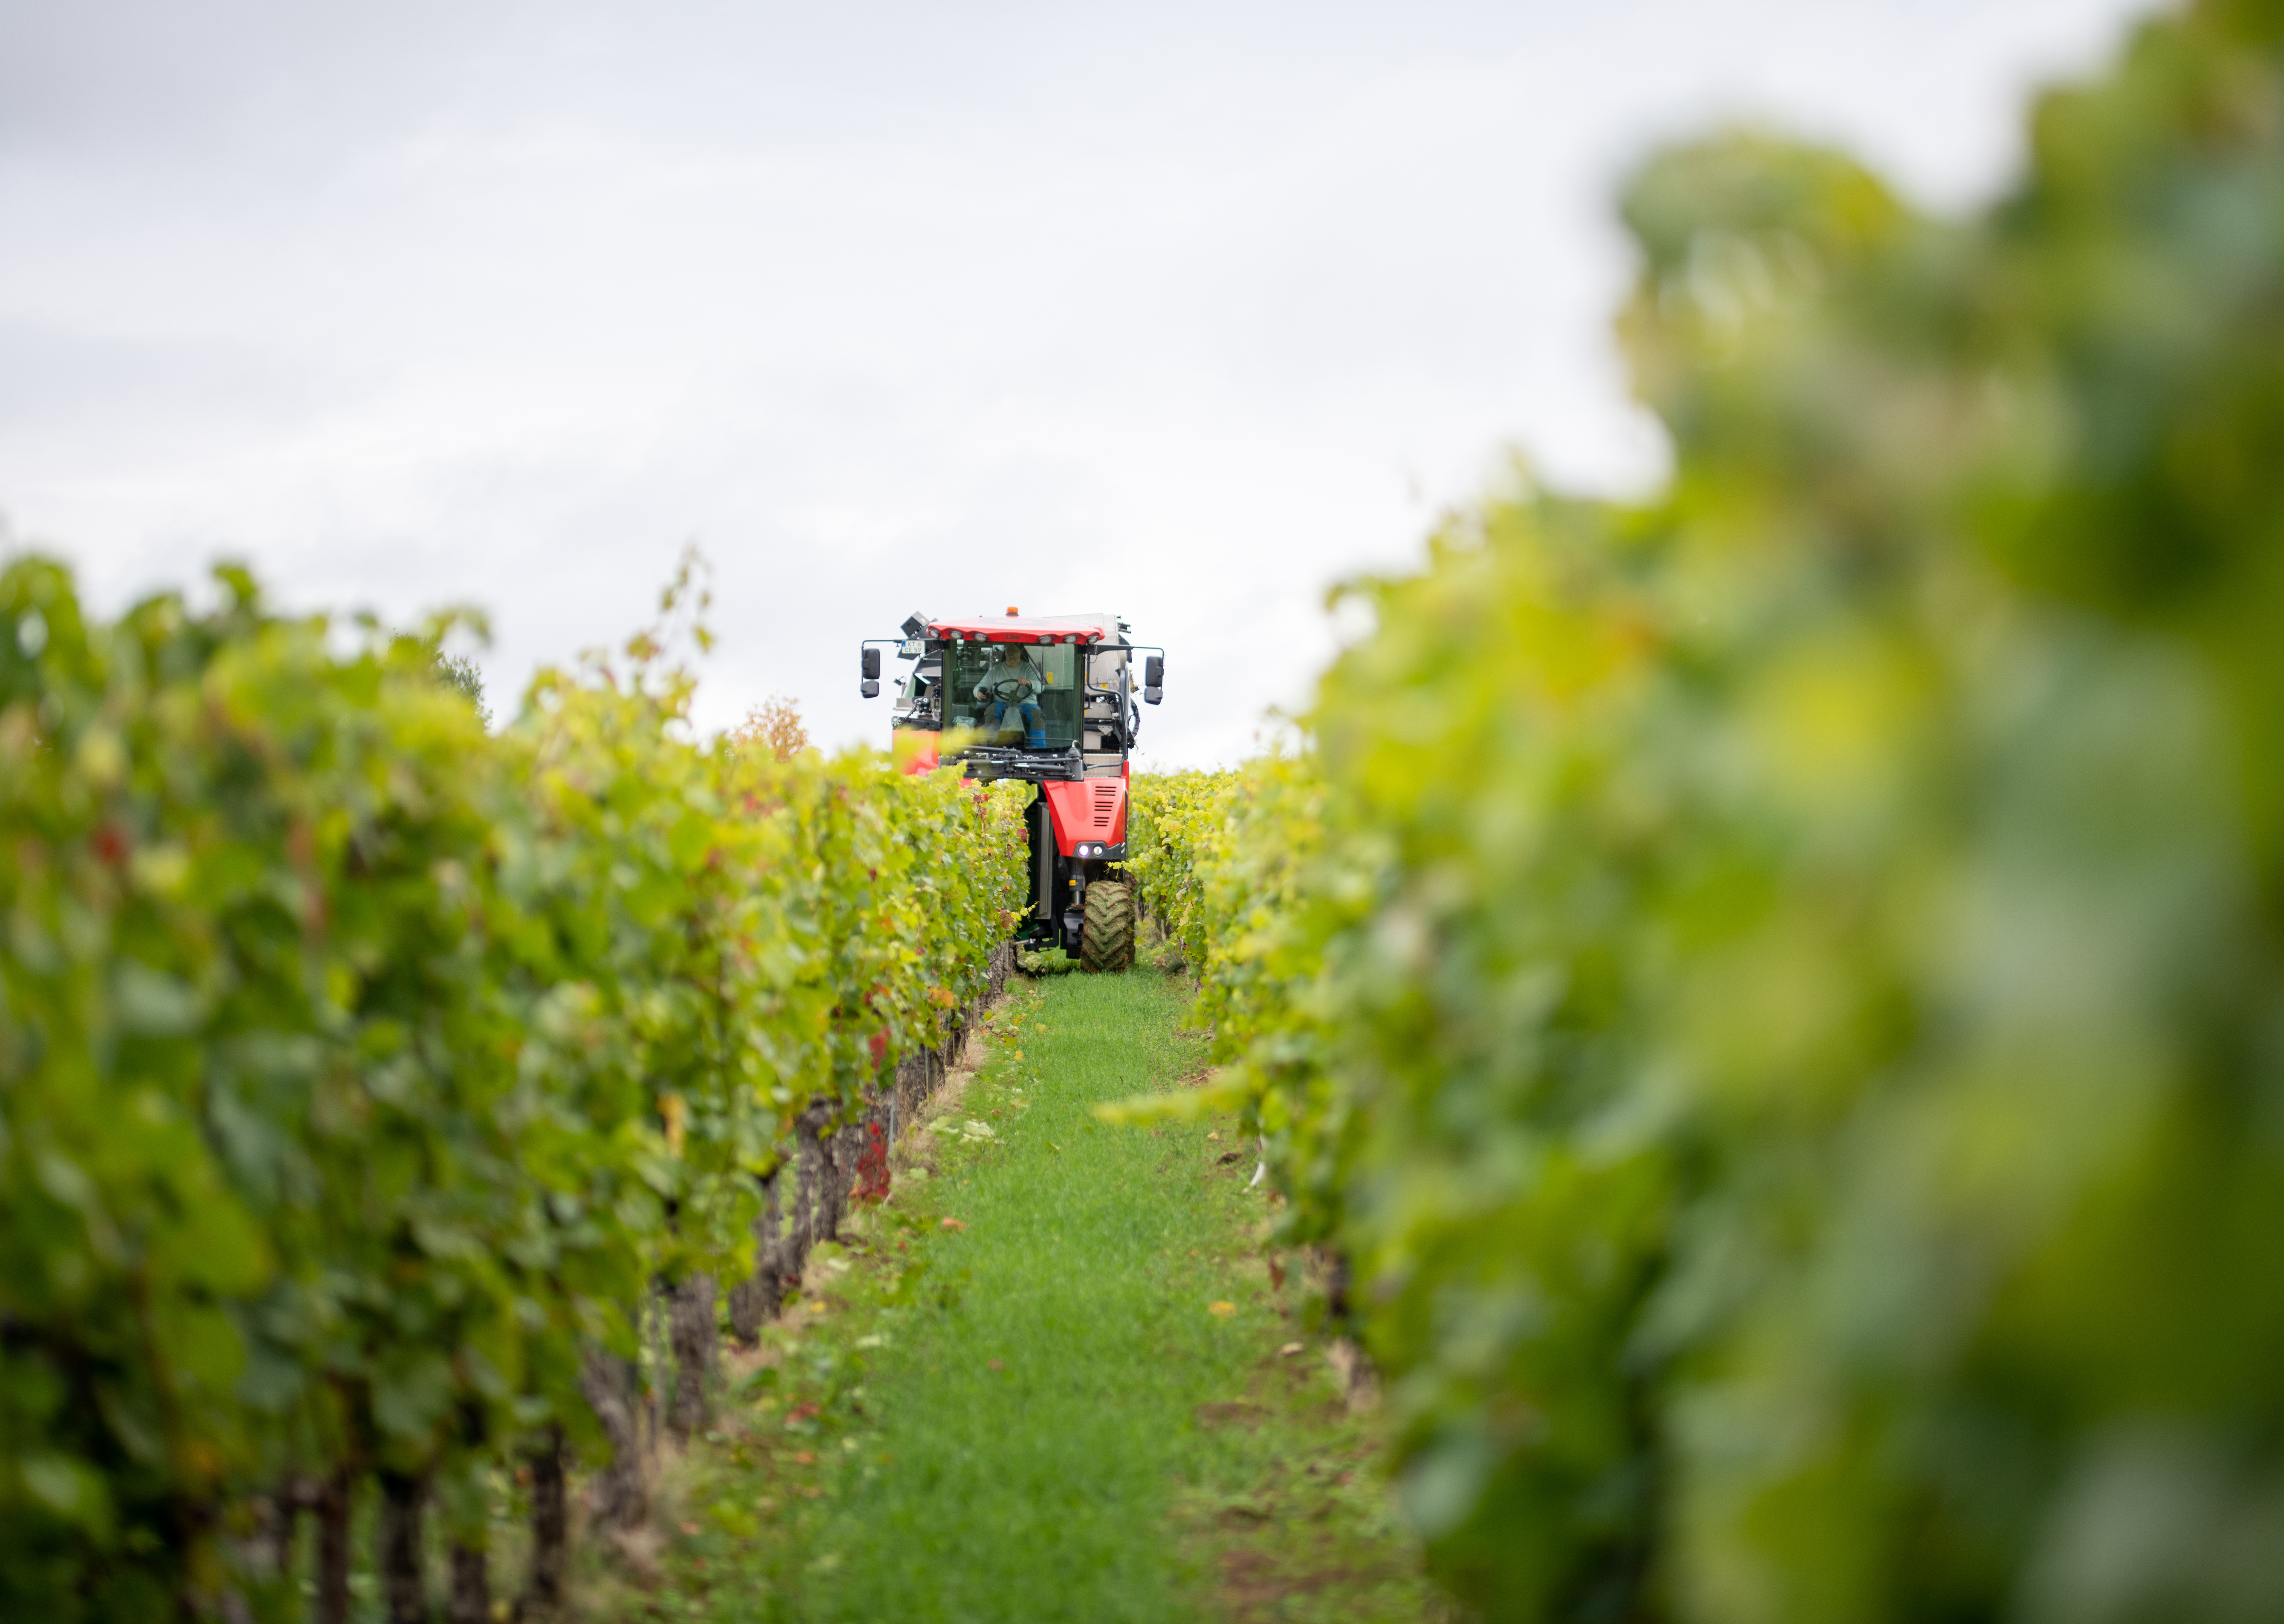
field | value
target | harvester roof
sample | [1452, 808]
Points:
[1028, 628]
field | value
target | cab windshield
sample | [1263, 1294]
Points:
[1001, 670]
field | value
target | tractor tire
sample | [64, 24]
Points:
[1105, 941]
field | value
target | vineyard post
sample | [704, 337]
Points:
[691, 1308]
[466, 1530]
[619, 1496]
[404, 1577]
[754, 1300]
[334, 1492]
[550, 1525]
[471, 1600]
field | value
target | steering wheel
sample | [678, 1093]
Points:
[1008, 690]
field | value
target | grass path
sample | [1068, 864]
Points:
[1068, 1403]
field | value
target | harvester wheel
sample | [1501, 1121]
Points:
[1105, 941]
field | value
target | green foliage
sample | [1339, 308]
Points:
[1046, 961]
[358, 1069]
[1774, 987]
[459, 673]
[1175, 818]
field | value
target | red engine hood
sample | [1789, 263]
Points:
[1086, 810]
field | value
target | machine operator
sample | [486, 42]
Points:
[1013, 681]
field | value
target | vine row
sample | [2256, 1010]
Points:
[1771, 988]
[365, 1077]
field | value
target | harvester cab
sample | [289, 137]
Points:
[1052, 700]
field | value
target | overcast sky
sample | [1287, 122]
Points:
[1182, 311]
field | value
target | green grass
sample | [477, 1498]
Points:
[1040, 1414]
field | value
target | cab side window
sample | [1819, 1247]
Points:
[1059, 700]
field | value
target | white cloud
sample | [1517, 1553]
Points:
[1182, 313]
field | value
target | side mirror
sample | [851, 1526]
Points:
[872, 665]
[1153, 679]
[871, 688]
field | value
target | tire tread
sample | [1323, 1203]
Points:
[1106, 939]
